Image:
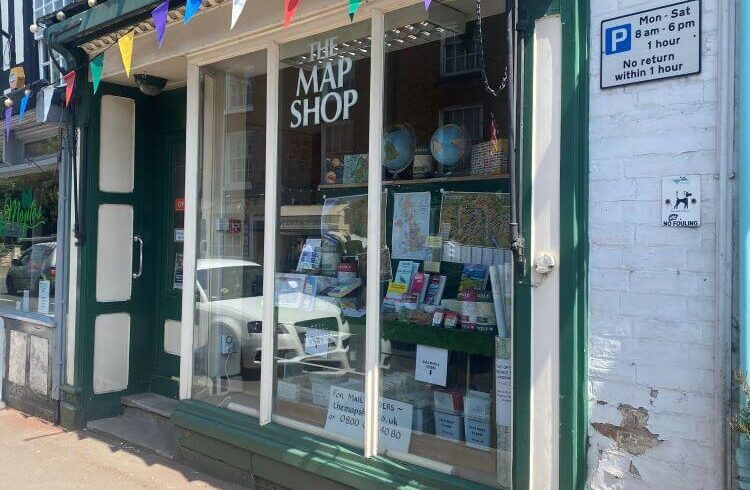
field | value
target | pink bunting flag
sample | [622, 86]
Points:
[70, 82]
[159, 16]
[8, 115]
[290, 8]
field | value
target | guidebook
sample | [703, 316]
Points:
[399, 286]
[474, 276]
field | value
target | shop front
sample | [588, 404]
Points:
[352, 248]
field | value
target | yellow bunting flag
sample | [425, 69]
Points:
[126, 50]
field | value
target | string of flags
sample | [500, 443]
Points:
[159, 16]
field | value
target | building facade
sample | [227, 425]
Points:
[543, 308]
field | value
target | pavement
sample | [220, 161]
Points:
[35, 454]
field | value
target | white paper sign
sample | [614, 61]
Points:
[179, 235]
[43, 304]
[287, 391]
[652, 44]
[346, 417]
[316, 341]
[681, 201]
[503, 390]
[432, 365]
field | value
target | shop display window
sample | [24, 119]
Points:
[28, 242]
[440, 309]
[229, 266]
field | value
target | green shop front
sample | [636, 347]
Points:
[353, 248]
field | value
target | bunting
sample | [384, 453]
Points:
[70, 83]
[24, 104]
[191, 8]
[126, 50]
[237, 7]
[427, 4]
[96, 65]
[353, 7]
[159, 16]
[48, 94]
[290, 8]
[8, 115]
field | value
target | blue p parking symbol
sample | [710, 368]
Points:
[617, 39]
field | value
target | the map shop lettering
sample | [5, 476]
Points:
[319, 96]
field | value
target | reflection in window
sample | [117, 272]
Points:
[229, 268]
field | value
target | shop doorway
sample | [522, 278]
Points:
[131, 248]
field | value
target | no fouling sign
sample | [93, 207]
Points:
[653, 44]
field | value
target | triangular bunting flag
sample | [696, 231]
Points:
[237, 6]
[48, 94]
[8, 115]
[159, 15]
[22, 109]
[126, 50]
[97, 64]
[427, 4]
[70, 83]
[290, 8]
[191, 8]
[353, 6]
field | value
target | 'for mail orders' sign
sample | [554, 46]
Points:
[664, 42]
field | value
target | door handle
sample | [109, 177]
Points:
[137, 239]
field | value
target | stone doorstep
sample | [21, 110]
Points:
[144, 424]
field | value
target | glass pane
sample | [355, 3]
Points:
[445, 328]
[229, 269]
[28, 242]
[322, 239]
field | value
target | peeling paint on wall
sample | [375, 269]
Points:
[631, 435]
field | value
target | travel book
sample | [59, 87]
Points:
[311, 255]
[434, 290]
[343, 289]
[399, 286]
[474, 276]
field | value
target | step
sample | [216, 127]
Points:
[144, 424]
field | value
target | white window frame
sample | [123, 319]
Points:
[270, 41]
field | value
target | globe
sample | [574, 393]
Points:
[449, 145]
[398, 147]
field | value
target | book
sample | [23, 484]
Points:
[423, 290]
[343, 289]
[433, 253]
[434, 290]
[498, 299]
[310, 257]
[451, 319]
[417, 283]
[309, 292]
[333, 171]
[288, 289]
[476, 311]
[474, 276]
[399, 286]
[355, 168]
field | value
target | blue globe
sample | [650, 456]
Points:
[398, 147]
[449, 145]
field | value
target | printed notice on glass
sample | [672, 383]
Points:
[346, 417]
[43, 304]
[503, 382]
[662, 42]
[316, 341]
[432, 365]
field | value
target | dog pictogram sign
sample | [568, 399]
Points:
[681, 201]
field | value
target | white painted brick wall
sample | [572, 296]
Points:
[652, 297]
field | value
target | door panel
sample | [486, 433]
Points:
[117, 154]
[114, 253]
[111, 352]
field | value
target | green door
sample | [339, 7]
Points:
[118, 250]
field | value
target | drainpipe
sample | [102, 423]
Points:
[743, 451]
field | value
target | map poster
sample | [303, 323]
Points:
[411, 225]
[480, 219]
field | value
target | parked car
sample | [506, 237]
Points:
[38, 262]
[229, 298]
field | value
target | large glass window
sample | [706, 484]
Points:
[28, 242]
[445, 279]
[446, 300]
[322, 240]
[229, 269]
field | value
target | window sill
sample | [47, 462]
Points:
[337, 462]
[29, 317]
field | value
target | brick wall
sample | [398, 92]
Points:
[652, 289]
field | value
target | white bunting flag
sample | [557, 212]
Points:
[47, 95]
[237, 6]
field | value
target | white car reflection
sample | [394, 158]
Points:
[229, 300]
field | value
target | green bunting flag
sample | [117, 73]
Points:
[97, 64]
[353, 6]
